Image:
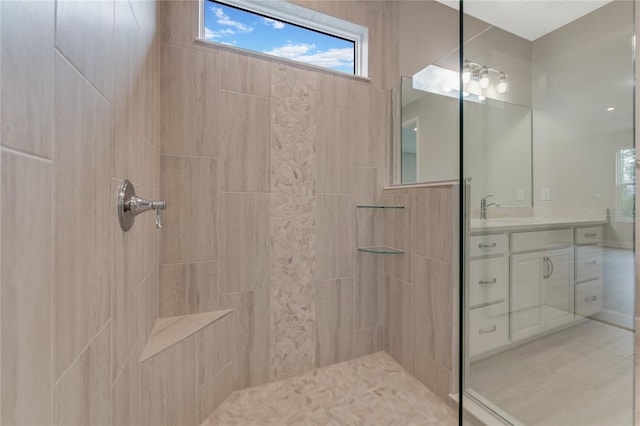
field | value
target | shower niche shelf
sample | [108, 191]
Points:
[172, 330]
[380, 250]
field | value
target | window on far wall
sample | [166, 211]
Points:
[286, 30]
[625, 185]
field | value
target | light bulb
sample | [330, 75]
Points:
[502, 83]
[466, 73]
[484, 77]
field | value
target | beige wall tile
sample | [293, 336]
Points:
[335, 230]
[168, 387]
[84, 35]
[334, 321]
[188, 288]
[369, 291]
[244, 242]
[213, 346]
[433, 375]
[25, 197]
[335, 91]
[27, 76]
[190, 84]
[83, 395]
[148, 299]
[432, 222]
[368, 341]
[399, 326]
[431, 309]
[249, 336]
[244, 73]
[397, 234]
[244, 142]
[125, 394]
[371, 126]
[334, 148]
[177, 26]
[369, 227]
[214, 392]
[128, 103]
[83, 209]
[368, 184]
[126, 275]
[189, 185]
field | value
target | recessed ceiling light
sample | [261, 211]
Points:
[610, 109]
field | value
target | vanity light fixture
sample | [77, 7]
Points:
[478, 77]
[503, 84]
[484, 77]
[466, 72]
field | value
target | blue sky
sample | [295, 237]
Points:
[227, 25]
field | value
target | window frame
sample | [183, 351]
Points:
[281, 10]
[620, 185]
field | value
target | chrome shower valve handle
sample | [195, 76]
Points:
[130, 205]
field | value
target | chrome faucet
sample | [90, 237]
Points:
[484, 205]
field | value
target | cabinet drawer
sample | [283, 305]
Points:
[485, 245]
[541, 240]
[488, 328]
[588, 263]
[591, 235]
[589, 298]
[488, 281]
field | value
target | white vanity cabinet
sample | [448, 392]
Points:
[488, 293]
[525, 281]
[588, 271]
[541, 291]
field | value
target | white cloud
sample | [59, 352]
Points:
[291, 51]
[307, 53]
[276, 25]
[224, 19]
[209, 34]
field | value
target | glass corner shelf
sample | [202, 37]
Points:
[379, 207]
[380, 250]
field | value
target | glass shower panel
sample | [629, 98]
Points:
[549, 206]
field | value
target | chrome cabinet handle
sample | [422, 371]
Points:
[493, 281]
[591, 262]
[487, 245]
[591, 299]
[487, 331]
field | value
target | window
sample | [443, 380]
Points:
[626, 185]
[286, 30]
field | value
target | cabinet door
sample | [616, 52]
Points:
[558, 294]
[527, 310]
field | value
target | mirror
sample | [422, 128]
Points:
[497, 133]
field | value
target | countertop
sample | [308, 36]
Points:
[509, 224]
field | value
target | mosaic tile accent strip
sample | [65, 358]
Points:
[292, 302]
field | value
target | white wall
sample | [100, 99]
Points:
[579, 71]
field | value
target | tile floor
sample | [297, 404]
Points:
[371, 390]
[582, 376]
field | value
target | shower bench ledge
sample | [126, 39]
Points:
[169, 331]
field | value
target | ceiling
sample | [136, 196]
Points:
[529, 19]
